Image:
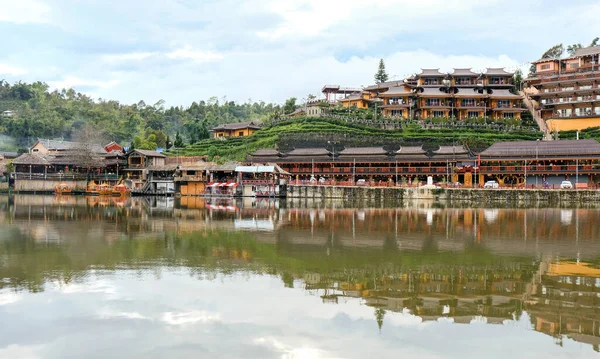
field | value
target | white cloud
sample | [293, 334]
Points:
[192, 317]
[192, 54]
[11, 70]
[9, 298]
[73, 82]
[21, 351]
[134, 56]
[24, 11]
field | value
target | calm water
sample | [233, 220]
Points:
[154, 278]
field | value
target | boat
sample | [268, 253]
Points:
[105, 189]
[121, 190]
[62, 188]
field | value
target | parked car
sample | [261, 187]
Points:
[361, 182]
[566, 185]
[491, 184]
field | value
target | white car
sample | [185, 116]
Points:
[361, 182]
[566, 185]
[491, 184]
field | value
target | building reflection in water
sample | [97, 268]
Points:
[492, 265]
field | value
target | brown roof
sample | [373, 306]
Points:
[362, 151]
[587, 51]
[433, 92]
[61, 145]
[236, 126]
[562, 148]
[148, 153]
[469, 92]
[431, 72]
[411, 150]
[309, 152]
[395, 91]
[266, 152]
[384, 85]
[464, 72]
[170, 167]
[29, 159]
[451, 150]
[497, 71]
[504, 94]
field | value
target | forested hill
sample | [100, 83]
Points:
[65, 114]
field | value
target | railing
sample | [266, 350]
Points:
[66, 176]
[370, 170]
[533, 169]
[572, 115]
[189, 178]
[258, 182]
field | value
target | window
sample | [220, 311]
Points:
[397, 101]
[573, 65]
[596, 110]
[433, 102]
[545, 67]
[503, 103]
[472, 114]
[508, 115]
[468, 102]
[241, 134]
[397, 113]
[464, 81]
[564, 112]
[35, 150]
[438, 113]
[431, 82]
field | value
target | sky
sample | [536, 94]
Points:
[182, 51]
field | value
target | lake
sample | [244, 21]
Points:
[186, 278]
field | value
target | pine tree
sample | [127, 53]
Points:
[178, 140]
[381, 75]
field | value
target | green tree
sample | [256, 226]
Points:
[571, 49]
[290, 105]
[379, 315]
[178, 141]
[381, 75]
[595, 41]
[518, 79]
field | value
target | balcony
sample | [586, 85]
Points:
[191, 178]
[587, 114]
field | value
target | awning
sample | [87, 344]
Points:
[232, 185]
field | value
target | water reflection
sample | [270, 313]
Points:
[524, 269]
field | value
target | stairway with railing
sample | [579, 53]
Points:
[536, 116]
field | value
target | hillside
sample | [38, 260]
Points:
[306, 132]
[39, 112]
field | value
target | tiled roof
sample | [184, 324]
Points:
[433, 91]
[399, 91]
[29, 159]
[451, 150]
[383, 85]
[60, 145]
[543, 148]
[504, 94]
[587, 51]
[309, 152]
[352, 151]
[411, 150]
[469, 92]
[149, 153]
[266, 152]
[236, 126]
[431, 72]
[464, 72]
[497, 71]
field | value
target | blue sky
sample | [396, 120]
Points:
[188, 50]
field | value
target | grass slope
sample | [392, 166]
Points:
[305, 129]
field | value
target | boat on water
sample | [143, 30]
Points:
[62, 188]
[105, 189]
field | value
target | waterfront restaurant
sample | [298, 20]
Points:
[376, 165]
[536, 163]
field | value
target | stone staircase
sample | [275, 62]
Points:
[536, 116]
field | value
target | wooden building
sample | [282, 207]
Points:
[566, 92]
[538, 162]
[241, 129]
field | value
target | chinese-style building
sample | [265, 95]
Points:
[235, 129]
[566, 92]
